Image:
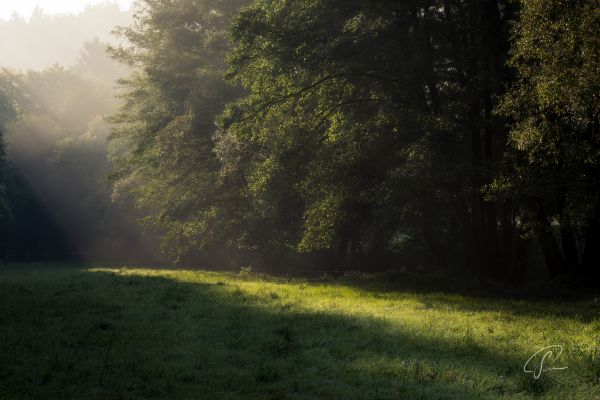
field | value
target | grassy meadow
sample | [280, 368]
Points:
[69, 332]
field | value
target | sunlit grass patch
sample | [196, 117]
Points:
[150, 333]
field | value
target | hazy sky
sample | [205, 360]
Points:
[25, 7]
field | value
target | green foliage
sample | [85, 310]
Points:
[9, 93]
[555, 103]
[555, 109]
[163, 144]
[324, 117]
[344, 125]
[361, 117]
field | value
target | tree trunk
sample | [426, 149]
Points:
[569, 247]
[432, 241]
[550, 249]
[591, 255]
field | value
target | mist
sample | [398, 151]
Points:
[57, 147]
[43, 40]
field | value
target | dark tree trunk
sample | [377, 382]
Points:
[521, 261]
[510, 243]
[569, 247]
[550, 249]
[432, 240]
[591, 255]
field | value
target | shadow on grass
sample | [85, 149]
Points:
[76, 334]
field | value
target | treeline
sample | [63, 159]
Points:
[460, 135]
[456, 134]
[56, 202]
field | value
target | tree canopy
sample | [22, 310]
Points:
[554, 135]
[458, 135]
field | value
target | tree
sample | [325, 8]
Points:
[8, 111]
[360, 128]
[163, 144]
[554, 109]
[95, 64]
[362, 125]
[371, 121]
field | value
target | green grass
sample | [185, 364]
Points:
[76, 333]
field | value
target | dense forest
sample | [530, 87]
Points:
[453, 135]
